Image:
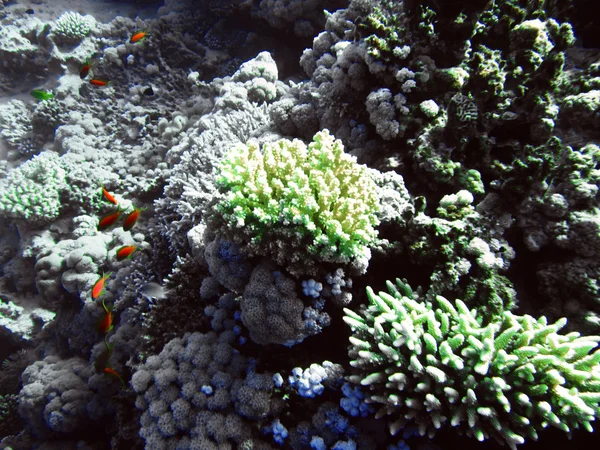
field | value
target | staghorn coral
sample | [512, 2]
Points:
[437, 364]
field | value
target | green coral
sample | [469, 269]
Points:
[471, 179]
[534, 59]
[32, 191]
[465, 253]
[581, 110]
[317, 192]
[436, 364]
[10, 423]
[433, 156]
[530, 164]
[384, 31]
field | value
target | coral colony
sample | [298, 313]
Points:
[299, 224]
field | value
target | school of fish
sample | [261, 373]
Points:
[88, 67]
[106, 324]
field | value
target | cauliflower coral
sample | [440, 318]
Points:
[317, 191]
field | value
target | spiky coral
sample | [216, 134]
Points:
[72, 26]
[439, 364]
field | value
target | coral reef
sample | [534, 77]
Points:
[198, 197]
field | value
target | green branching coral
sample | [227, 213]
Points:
[466, 252]
[317, 193]
[436, 365]
[32, 191]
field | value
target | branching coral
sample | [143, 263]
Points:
[468, 253]
[72, 27]
[436, 364]
[32, 191]
[315, 198]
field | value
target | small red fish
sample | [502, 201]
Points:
[114, 373]
[125, 252]
[98, 288]
[85, 69]
[138, 36]
[98, 82]
[109, 220]
[108, 196]
[132, 218]
[106, 324]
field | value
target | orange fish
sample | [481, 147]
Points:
[97, 82]
[138, 36]
[108, 196]
[132, 218]
[125, 252]
[106, 324]
[114, 373]
[109, 220]
[98, 288]
[85, 69]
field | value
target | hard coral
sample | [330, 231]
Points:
[194, 394]
[72, 27]
[271, 309]
[437, 364]
[295, 202]
[32, 191]
[56, 397]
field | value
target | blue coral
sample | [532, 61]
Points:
[353, 401]
[279, 431]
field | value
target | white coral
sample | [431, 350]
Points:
[73, 26]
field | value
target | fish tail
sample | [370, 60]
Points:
[108, 347]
